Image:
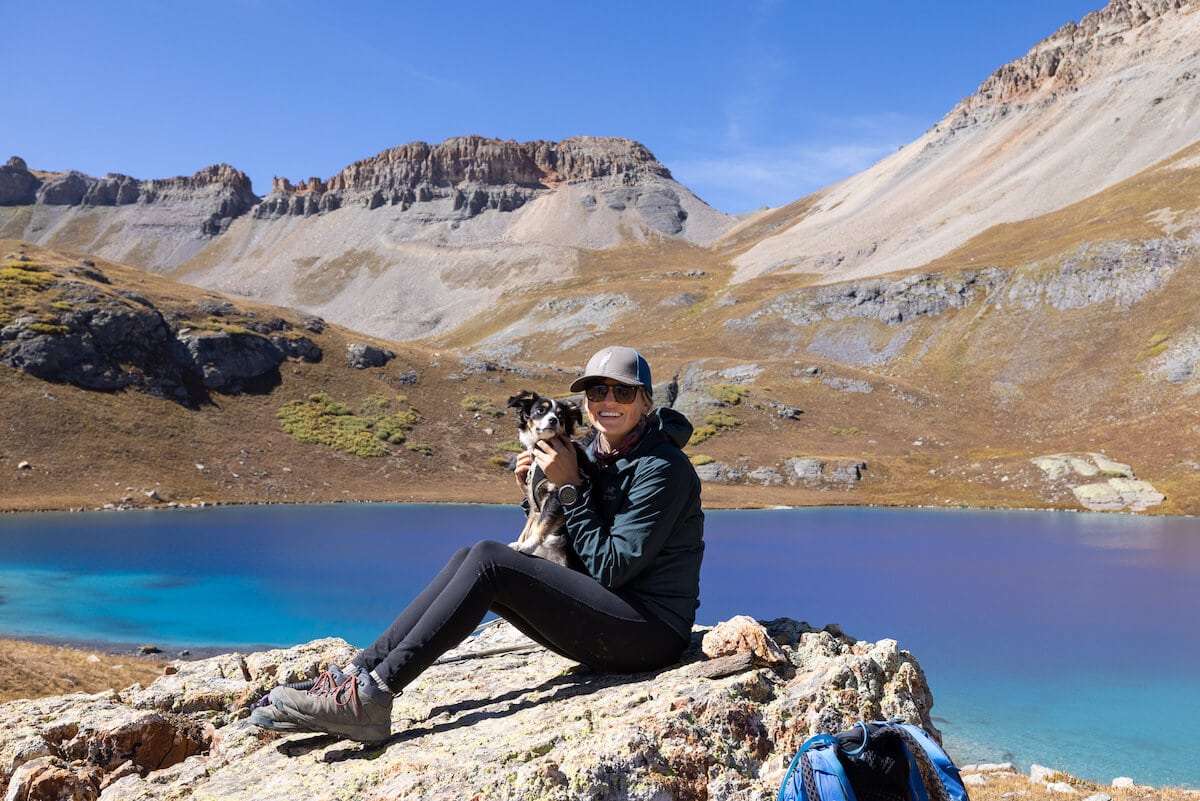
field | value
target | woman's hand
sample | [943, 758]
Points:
[558, 460]
[524, 465]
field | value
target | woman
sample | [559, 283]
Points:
[636, 524]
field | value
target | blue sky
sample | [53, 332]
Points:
[749, 104]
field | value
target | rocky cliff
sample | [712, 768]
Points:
[473, 173]
[722, 724]
[218, 194]
[1070, 57]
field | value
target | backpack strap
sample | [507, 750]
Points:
[821, 776]
[829, 778]
[950, 783]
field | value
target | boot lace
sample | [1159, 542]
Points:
[344, 692]
[328, 683]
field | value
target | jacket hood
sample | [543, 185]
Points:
[676, 428]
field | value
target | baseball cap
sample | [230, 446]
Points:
[618, 363]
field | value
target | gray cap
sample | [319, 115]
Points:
[618, 363]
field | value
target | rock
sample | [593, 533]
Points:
[1099, 797]
[847, 472]
[808, 470]
[1119, 494]
[18, 186]
[1123, 783]
[1041, 773]
[990, 767]
[520, 724]
[1122, 492]
[767, 476]
[24, 465]
[742, 634]
[233, 362]
[1062, 787]
[298, 347]
[363, 356]
[63, 189]
[718, 471]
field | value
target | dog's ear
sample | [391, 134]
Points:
[573, 417]
[521, 400]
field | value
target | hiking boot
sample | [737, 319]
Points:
[268, 717]
[354, 708]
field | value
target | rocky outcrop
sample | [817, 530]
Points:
[1069, 57]
[18, 186]
[1099, 483]
[1117, 272]
[90, 335]
[472, 174]
[224, 191]
[892, 301]
[799, 471]
[520, 723]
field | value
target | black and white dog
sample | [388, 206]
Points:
[541, 418]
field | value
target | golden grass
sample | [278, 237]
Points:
[1021, 788]
[34, 670]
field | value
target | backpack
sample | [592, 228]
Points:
[879, 761]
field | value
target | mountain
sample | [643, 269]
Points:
[1092, 105]
[999, 314]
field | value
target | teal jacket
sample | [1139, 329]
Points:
[640, 530]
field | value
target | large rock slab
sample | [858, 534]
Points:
[520, 723]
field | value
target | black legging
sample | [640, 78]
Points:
[568, 612]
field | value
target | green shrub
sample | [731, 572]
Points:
[481, 404]
[729, 394]
[700, 459]
[23, 274]
[701, 434]
[721, 420]
[416, 447]
[322, 420]
[49, 329]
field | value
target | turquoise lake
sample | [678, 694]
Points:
[1069, 640]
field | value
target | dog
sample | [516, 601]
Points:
[540, 418]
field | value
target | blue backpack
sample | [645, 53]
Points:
[880, 761]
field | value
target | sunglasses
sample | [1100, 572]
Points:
[621, 393]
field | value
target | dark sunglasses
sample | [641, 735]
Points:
[621, 393]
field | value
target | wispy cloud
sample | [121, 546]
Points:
[744, 178]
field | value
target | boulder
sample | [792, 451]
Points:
[233, 361]
[363, 356]
[500, 717]
[1119, 494]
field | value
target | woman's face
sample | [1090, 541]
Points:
[615, 420]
